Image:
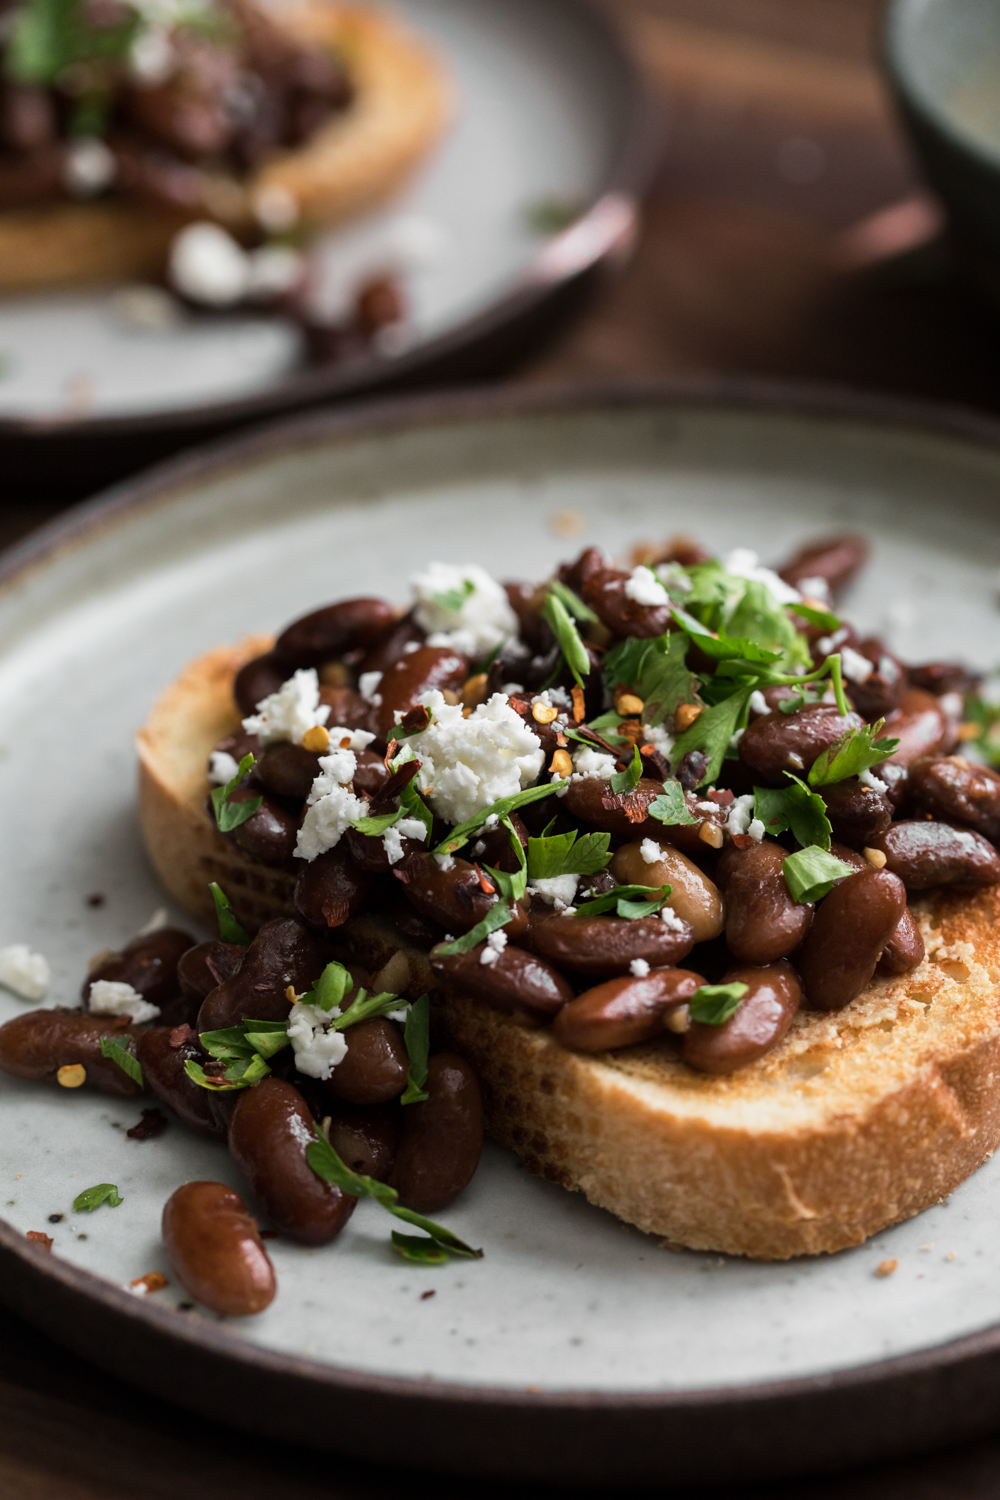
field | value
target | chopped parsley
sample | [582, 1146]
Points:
[418, 1044]
[573, 602]
[502, 808]
[570, 853]
[230, 930]
[116, 1049]
[564, 629]
[794, 809]
[623, 903]
[810, 874]
[984, 717]
[856, 751]
[93, 1197]
[230, 815]
[715, 1004]
[451, 600]
[623, 782]
[656, 672]
[671, 806]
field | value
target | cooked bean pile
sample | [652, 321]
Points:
[106, 102]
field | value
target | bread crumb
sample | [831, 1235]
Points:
[886, 1267]
[928, 1247]
[951, 1255]
[565, 523]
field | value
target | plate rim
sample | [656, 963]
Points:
[945, 1385]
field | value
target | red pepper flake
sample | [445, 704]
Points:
[721, 796]
[180, 1034]
[38, 1238]
[416, 720]
[425, 1295]
[485, 883]
[579, 710]
[742, 840]
[153, 1281]
[152, 1124]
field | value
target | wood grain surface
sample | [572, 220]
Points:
[780, 143]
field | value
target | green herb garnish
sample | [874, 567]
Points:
[93, 1197]
[985, 717]
[714, 1004]
[624, 782]
[417, 1036]
[671, 806]
[500, 809]
[712, 731]
[573, 602]
[811, 873]
[793, 808]
[452, 599]
[565, 631]
[622, 901]
[568, 854]
[230, 815]
[230, 930]
[856, 751]
[116, 1049]
[656, 672]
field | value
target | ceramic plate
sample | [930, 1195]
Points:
[547, 111]
[573, 1325]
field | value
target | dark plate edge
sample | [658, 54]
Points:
[781, 1427]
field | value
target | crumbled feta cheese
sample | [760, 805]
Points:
[645, 588]
[88, 167]
[952, 704]
[317, 1050]
[392, 839]
[410, 647]
[855, 666]
[111, 997]
[758, 703]
[588, 762]
[639, 968]
[275, 208]
[332, 806]
[829, 643]
[478, 848]
[290, 712]
[556, 696]
[208, 266]
[368, 687]
[815, 588]
[756, 829]
[673, 921]
[740, 814]
[867, 778]
[467, 763]
[651, 851]
[446, 862]
[743, 563]
[462, 607]
[495, 944]
[222, 768]
[348, 739]
[24, 972]
[557, 890]
[510, 689]
[273, 271]
[152, 58]
[660, 739]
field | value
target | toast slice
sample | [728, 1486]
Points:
[401, 107]
[855, 1121]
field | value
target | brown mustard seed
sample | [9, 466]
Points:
[710, 834]
[316, 739]
[71, 1075]
[685, 716]
[561, 763]
[875, 857]
[543, 713]
[630, 705]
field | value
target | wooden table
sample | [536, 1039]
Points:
[781, 142]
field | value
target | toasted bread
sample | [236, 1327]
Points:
[855, 1121]
[401, 106]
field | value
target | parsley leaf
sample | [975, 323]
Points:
[230, 930]
[712, 730]
[500, 809]
[985, 717]
[795, 808]
[854, 752]
[418, 1044]
[566, 633]
[230, 815]
[330, 988]
[116, 1049]
[50, 35]
[623, 782]
[671, 807]
[93, 1197]
[418, 1248]
[821, 617]
[451, 600]
[572, 602]
[656, 671]
[328, 1166]
[714, 1004]
[760, 618]
[364, 1007]
[621, 901]
[497, 916]
[811, 873]
[570, 853]
[375, 827]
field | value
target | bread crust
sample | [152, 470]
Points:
[402, 105]
[855, 1121]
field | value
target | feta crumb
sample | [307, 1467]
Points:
[740, 814]
[462, 607]
[660, 739]
[88, 167]
[556, 696]
[410, 647]
[639, 968]
[111, 997]
[273, 271]
[829, 643]
[855, 666]
[275, 208]
[495, 944]
[290, 712]
[368, 686]
[673, 921]
[557, 890]
[743, 563]
[222, 768]
[446, 862]
[208, 266]
[651, 851]
[645, 588]
[756, 829]
[815, 588]
[317, 1050]
[758, 703]
[591, 763]
[332, 807]
[867, 778]
[24, 972]
[467, 763]
[152, 58]
[392, 839]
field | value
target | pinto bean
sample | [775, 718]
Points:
[27, 117]
[38, 1043]
[369, 853]
[269, 1133]
[856, 812]
[905, 949]
[406, 680]
[940, 677]
[348, 710]
[575, 574]
[606, 946]
[926, 854]
[592, 801]
[897, 780]
[763, 923]
[533, 629]
[163, 1052]
[376, 1066]
[835, 559]
[953, 789]
[454, 897]
[371, 774]
[216, 1251]
[494, 847]
[366, 1139]
[779, 742]
[692, 895]
[621, 1012]
[604, 591]
[205, 965]
[391, 646]
[518, 980]
[257, 680]
[921, 726]
[283, 953]
[288, 770]
[442, 1137]
[849, 931]
[268, 835]
[331, 888]
[148, 963]
[330, 632]
[765, 1014]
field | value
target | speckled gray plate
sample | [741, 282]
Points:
[577, 1347]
